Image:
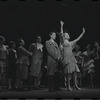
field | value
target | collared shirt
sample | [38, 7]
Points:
[40, 46]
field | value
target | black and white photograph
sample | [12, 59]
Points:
[50, 49]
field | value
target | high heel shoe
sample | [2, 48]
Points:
[76, 87]
[69, 89]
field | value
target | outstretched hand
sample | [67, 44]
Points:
[61, 22]
[83, 30]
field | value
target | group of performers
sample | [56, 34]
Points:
[75, 64]
[21, 65]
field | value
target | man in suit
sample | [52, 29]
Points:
[52, 62]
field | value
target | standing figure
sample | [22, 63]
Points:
[36, 62]
[12, 58]
[22, 64]
[78, 56]
[96, 56]
[69, 61]
[88, 66]
[53, 56]
[96, 51]
[3, 62]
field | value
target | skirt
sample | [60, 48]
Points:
[70, 64]
[3, 67]
[22, 72]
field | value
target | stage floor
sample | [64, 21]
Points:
[43, 93]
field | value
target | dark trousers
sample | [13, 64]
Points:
[54, 81]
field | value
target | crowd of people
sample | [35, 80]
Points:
[66, 66]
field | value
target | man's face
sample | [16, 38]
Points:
[53, 36]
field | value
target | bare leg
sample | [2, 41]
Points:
[68, 82]
[75, 82]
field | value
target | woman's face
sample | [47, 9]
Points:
[66, 36]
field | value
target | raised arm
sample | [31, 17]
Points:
[76, 40]
[61, 29]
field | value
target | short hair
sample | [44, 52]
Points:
[36, 38]
[2, 39]
[11, 43]
[19, 40]
[51, 33]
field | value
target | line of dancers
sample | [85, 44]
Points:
[65, 63]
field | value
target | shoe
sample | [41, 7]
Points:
[51, 90]
[69, 89]
[30, 89]
[76, 87]
[9, 88]
[58, 89]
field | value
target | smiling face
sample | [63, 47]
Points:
[66, 36]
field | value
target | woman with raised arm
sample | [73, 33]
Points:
[69, 61]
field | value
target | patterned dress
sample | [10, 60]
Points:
[88, 62]
[3, 59]
[36, 60]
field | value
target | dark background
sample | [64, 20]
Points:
[31, 17]
[28, 18]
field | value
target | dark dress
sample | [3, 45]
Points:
[22, 63]
[12, 57]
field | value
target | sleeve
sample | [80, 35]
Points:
[50, 50]
[61, 38]
[31, 48]
[15, 54]
[25, 52]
